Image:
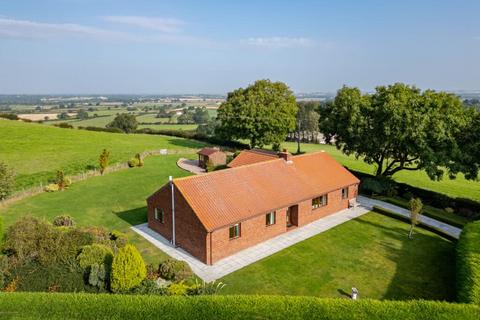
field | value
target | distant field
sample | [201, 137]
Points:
[36, 151]
[460, 187]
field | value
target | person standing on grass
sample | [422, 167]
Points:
[415, 210]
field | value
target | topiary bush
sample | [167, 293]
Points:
[468, 264]
[175, 270]
[128, 269]
[63, 221]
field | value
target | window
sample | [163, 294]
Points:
[159, 215]
[234, 231]
[345, 193]
[270, 218]
[319, 201]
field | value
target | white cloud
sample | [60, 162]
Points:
[278, 42]
[158, 24]
[30, 29]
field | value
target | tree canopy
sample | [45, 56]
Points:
[125, 122]
[262, 113]
[398, 127]
[307, 119]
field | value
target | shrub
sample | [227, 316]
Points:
[149, 287]
[139, 159]
[3, 270]
[9, 116]
[119, 239]
[63, 221]
[382, 186]
[32, 239]
[7, 181]
[98, 276]
[205, 288]
[61, 180]
[128, 269]
[468, 264]
[103, 160]
[63, 125]
[95, 254]
[175, 270]
[133, 162]
[1, 232]
[52, 187]
[177, 289]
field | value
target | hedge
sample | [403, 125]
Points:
[102, 306]
[434, 199]
[468, 264]
[193, 134]
[400, 217]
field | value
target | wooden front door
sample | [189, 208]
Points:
[292, 216]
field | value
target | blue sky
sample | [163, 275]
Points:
[115, 46]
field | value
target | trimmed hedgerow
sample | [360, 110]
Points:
[101, 306]
[468, 264]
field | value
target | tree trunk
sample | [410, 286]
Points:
[410, 233]
[298, 142]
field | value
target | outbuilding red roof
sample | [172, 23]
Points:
[252, 156]
[229, 196]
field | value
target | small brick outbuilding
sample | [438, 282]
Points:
[215, 215]
[214, 155]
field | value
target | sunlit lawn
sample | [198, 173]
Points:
[371, 253]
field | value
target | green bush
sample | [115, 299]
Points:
[63, 221]
[177, 289]
[103, 306]
[98, 276]
[381, 186]
[3, 270]
[119, 239]
[95, 254]
[132, 163]
[150, 287]
[128, 269]
[7, 181]
[468, 264]
[1, 231]
[175, 270]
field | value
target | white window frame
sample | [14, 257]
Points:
[236, 226]
[346, 193]
[268, 221]
[322, 203]
[158, 217]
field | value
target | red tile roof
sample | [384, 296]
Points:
[252, 156]
[228, 196]
[207, 151]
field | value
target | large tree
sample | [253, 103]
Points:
[397, 128]
[125, 122]
[262, 113]
[307, 120]
[468, 161]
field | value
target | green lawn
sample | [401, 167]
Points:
[36, 151]
[371, 253]
[459, 187]
[114, 201]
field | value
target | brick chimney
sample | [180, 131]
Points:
[285, 155]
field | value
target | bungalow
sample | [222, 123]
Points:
[214, 155]
[215, 215]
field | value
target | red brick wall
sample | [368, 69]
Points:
[218, 158]
[190, 233]
[211, 247]
[254, 230]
